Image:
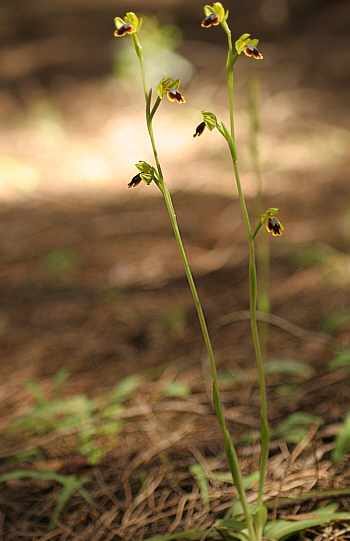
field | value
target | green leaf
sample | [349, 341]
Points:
[342, 360]
[235, 529]
[280, 530]
[336, 320]
[35, 390]
[260, 519]
[59, 379]
[126, 387]
[174, 318]
[342, 440]
[231, 524]
[78, 405]
[227, 478]
[111, 428]
[296, 426]
[200, 476]
[60, 261]
[290, 367]
[70, 485]
[148, 104]
[177, 389]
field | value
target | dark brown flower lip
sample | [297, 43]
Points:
[199, 130]
[124, 29]
[212, 19]
[274, 226]
[175, 95]
[135, 181]
[253, 51]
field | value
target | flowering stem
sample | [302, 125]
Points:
[231, 59]
[138, 50]
[263, 255]
[229, 446]
[257, 229]
[264, 431]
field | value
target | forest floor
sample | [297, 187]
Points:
[104, 378]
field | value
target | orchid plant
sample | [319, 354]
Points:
[252, 523]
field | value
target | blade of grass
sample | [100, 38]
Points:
[70, 485]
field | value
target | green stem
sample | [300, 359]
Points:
[229, 447]
[263, 255]
[257, 230]
[264, 431]
[264, 434]
[231, 59]
[138, 50]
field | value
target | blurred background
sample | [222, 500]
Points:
[71, 103]
[89, 274]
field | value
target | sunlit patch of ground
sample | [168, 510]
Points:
[85, 139]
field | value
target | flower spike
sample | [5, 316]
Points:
[170, 88]
[209, 119]
[200, 129]
[123, 29]
[147, 173]
[274, 226]
[253, 51]
[135, 181]
[212, 19]
[214, 15]
[174, 95]
[248, 46]
[131, 24]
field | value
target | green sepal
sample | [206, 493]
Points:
[225, 17]
[165, 84]
[217, 8]
[118, 22]
[209, 119]
[139, 25]
[147, 172]
[242, 42]
[132, 19]
[159, 89]
[146, 178]
[175, 84]
[208, 10]
[268, 214]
